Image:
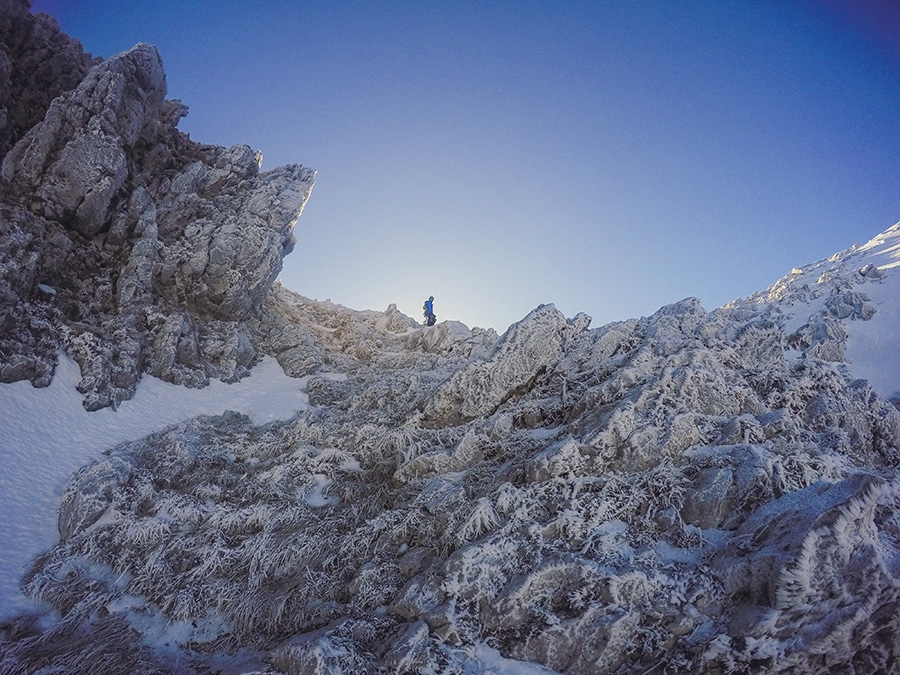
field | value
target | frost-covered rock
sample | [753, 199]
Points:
[691, 491]
[810, 572]
[520, 357]
[160, 252]
[686, 489]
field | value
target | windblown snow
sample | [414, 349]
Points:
[873, 346]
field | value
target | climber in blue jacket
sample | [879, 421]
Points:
[428, 312]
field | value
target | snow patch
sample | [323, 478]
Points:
[316, 498]
[484, 660]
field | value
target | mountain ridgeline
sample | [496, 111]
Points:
[687, 492]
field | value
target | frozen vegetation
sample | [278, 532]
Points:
[691, 491]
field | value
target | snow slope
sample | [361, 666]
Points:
[873, 347]
[46, 434]
[873, 343]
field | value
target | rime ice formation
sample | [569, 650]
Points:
[687, 492]
[124, 242]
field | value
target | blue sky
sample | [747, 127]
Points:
[608, 157]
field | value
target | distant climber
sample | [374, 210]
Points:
[428, 311]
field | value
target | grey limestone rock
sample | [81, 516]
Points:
[72, 164]
[160, 252]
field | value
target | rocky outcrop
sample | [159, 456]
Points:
[523, 354]
[73, 163]
[37, 64]
[125, 243]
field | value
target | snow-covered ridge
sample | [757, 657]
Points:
[691, 491]
[707, 491]
[883, 251]
[860, 288]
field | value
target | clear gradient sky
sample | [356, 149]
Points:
[609, 157]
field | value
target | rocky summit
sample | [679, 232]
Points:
[691, 491]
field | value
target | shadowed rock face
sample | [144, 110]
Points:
[124, 242]
[37, 64]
